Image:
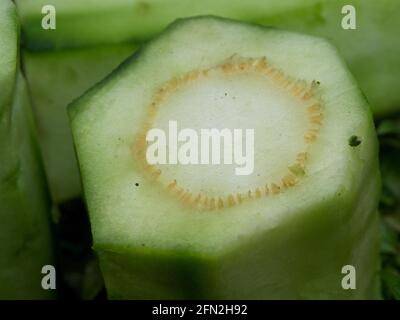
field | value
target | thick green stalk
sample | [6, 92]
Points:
[25, 236]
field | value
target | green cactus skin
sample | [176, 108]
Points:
[25, 232]
[55, 79]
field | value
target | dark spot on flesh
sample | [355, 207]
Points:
[354, 141]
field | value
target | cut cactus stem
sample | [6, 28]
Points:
[285, 231]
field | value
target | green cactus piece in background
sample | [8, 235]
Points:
[25, 227]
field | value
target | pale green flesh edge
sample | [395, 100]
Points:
[25, 239]
[212, 251]
[55, 79]
[372, 50]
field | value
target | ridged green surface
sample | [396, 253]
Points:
[291, 245]
[25, 239]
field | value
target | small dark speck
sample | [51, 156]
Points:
[226, 94]
[137, 184]
[354, 141]
[142, 8]
[143, 245]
